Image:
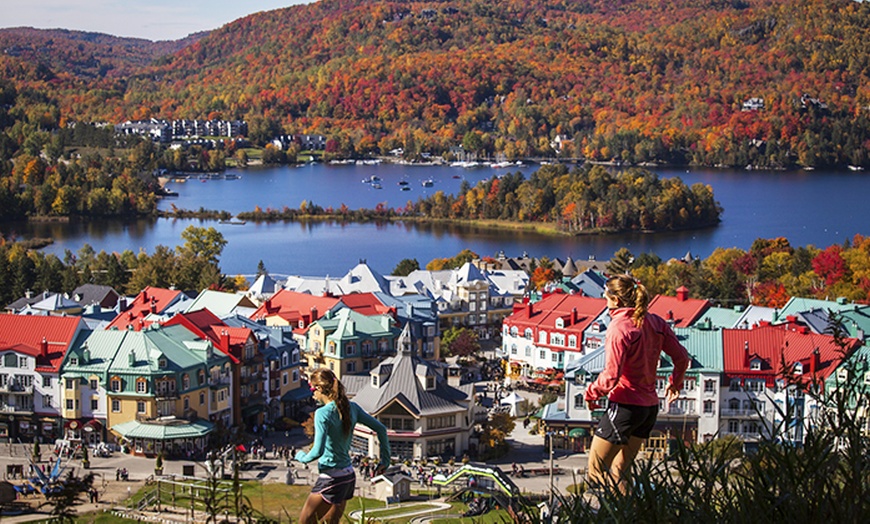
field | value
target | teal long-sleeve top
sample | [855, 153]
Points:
[332, 446]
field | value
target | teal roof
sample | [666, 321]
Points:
[182, 350]
[857, 322]
[176, 429]
[347, 324]
[797, 305]
[705, 347]
[723, 317]
[101, 346]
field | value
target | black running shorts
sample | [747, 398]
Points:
[335, 490]
[622, 421]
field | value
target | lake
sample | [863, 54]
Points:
[818, 207]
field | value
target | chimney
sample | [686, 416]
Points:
[43, 348]
[153, 307]
[530, 308]
[28, 294]
[682, 293]
[313, 313]
[746, 354]
[144, 295]
[670, 316]
[574, 316]
[225, 340]
[815, 362]
[268, 304]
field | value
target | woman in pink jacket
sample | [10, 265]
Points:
[633, 345]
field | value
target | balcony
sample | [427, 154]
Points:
[166, 395]
[743, 413]
[8, 408]
[16, 388]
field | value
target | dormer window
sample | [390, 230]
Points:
[560, 323]
[285, 360]
[375, 381]
[755, 365]
[798, 368]
[73, 361]
[115, 384]
[161, 362]
[542, 337]
[430, 383]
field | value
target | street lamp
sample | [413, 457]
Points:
[550, 437]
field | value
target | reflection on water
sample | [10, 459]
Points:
[818, 208]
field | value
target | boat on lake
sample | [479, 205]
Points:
[403, 182]
[232, 176]
[371, 180]
[428, 182]
[377, 186]
[406, 188]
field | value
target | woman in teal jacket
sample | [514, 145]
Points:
[333, 432]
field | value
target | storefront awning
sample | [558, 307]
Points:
[173, 431]
[578, 432]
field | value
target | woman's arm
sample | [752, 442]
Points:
[319, 439]
[375, 425]
[615, 344]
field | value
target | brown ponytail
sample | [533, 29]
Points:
[332, 388]
[629, 293]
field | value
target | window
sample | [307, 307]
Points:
[116, 406]
[22, 362]
[186, 403]
[560, 323]
[141, 386]
[733, 426]
[285, 360]
[200, 377]
[709, 407]
[46, 381]
[70, 404]
[513, 349]
[95, 404]
[202, 399]
[447, 421]
[709, 386]
[554, 357]
[689, 385]
[472, 306]
[331, 365]
[350, 349]
[734, 385]
[70, 383]
[162, 363]
[661, 383]
[73, 361]
[140, 407]
[351, 367]
[94, 384]
[557, 339]
[185, 381]
[285, 379]
[542, 337]
[528, 333]
[46, 401]
[755, 365]
[542, 354]
[295, 375]
[330, 348]
[572, 341]
[528, 351]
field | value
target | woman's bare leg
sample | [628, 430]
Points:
[336, 511]
[314, 509]
[601, 456]
[623, 460]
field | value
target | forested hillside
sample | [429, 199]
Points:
[634, 81]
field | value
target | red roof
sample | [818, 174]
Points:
[681, 309]
[294, 306]
[149, 300]
[576, 311]
[25, 334]
[204, 324]
[771, 344]
[366, 304]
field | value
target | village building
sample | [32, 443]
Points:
[31, 351]
[349, 342]
[425, 416]
[552, 333]
[157, 390]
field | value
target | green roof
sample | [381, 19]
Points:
[724, 317]
[164, 431]
[705, 346]
[797, 305]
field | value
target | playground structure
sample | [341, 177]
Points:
[480, 485]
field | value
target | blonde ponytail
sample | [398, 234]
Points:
[629, 293]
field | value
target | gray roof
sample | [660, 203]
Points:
[403, 379]
[590, 282]
[88, 294]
